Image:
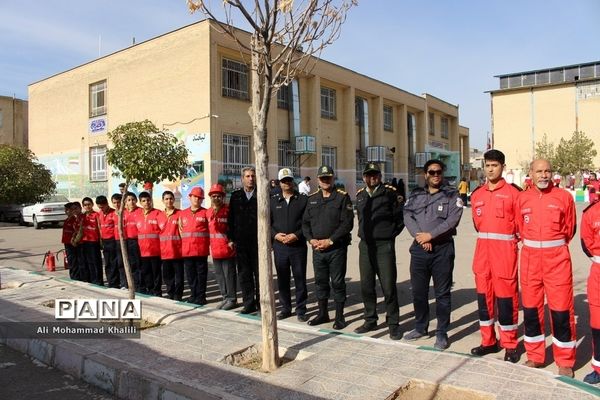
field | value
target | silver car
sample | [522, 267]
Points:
[51, 210]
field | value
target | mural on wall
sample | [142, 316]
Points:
[74, 182]
[70, 180]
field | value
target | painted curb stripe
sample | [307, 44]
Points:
[580, 385]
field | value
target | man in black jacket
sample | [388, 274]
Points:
[326, 224]
[380, 220]
[289, 245]
[243, 232]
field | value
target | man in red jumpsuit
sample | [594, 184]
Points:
[546, 219]
[590, 241]
[495, 260]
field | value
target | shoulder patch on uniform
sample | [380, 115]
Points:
[519, 188]
[391, 187]
[360, 190]
[341, 191]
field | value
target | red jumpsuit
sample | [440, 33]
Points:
[217, 225]
[590, 241]
[170, 240]
[495, 262]
[546, 221]
[148, 231]
[194, 233]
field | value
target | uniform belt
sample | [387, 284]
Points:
[148, 236]
[495, 236]
[544, 243]
[595, 259]
[168, 238]
[194, 234]
[218, 236]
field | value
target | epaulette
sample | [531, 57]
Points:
[519, 188]
[391, 187]
[315, 192]
[341, 191]
[360, 190]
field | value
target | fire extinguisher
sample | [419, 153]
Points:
[64, 257]
[49, 261]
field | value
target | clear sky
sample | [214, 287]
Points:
[449, 48]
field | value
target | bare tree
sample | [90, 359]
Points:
[286, 38]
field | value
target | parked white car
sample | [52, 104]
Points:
[51, 210]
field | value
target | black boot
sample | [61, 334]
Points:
[323, 315]
[340, 322]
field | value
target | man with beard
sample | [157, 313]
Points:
[546, 220]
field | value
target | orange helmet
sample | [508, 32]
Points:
[216, 188]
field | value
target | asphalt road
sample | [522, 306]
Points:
[24, 378]
[24, 247]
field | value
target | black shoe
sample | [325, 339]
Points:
[441, 341]
[248, 309]
[512, 355]
[284, 315]
[323, 316]
[229, 305]
[395, 333]
[366, 327]
[302, 317]
[340, 322]
[483, 350]
[414, 335]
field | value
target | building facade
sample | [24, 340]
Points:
[554, 102]
[13, 121]
[195, 83]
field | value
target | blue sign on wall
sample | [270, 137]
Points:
[98, 125]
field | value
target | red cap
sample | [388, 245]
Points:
[197, 191]
[216, 188]
[148, 185]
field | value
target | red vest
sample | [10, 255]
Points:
[194, 233]
[130, 223]
[170, 240]
[91, 232]
[217, 226]
[108, 224]
[148, 232]
[69, 229]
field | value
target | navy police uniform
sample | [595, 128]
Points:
[380, 220]
[438, 214]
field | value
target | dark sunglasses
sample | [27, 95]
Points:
[435, 172]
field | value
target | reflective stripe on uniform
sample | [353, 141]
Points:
[194, 234]
[495, 236]
[489, 322]
[168, 238]
[534, 339]
[148, 236]
[544, 243]
[595, 259]
[508, 327]
[218, 236]
[595, 363]
[564, 345]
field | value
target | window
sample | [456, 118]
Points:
[286, 157]
[388, 118]
[329, 157]
[98, 163]
[97, 99]
[445, 134]
[236, 154]
[328, 103]
[283, 97]
[431, 124]
[235, 79]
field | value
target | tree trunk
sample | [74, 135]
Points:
[270, 341]
[124, 253]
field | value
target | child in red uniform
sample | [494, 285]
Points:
[149, 242]
[89, 240]
[170, 247]
[131, 237]
[108, 226]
